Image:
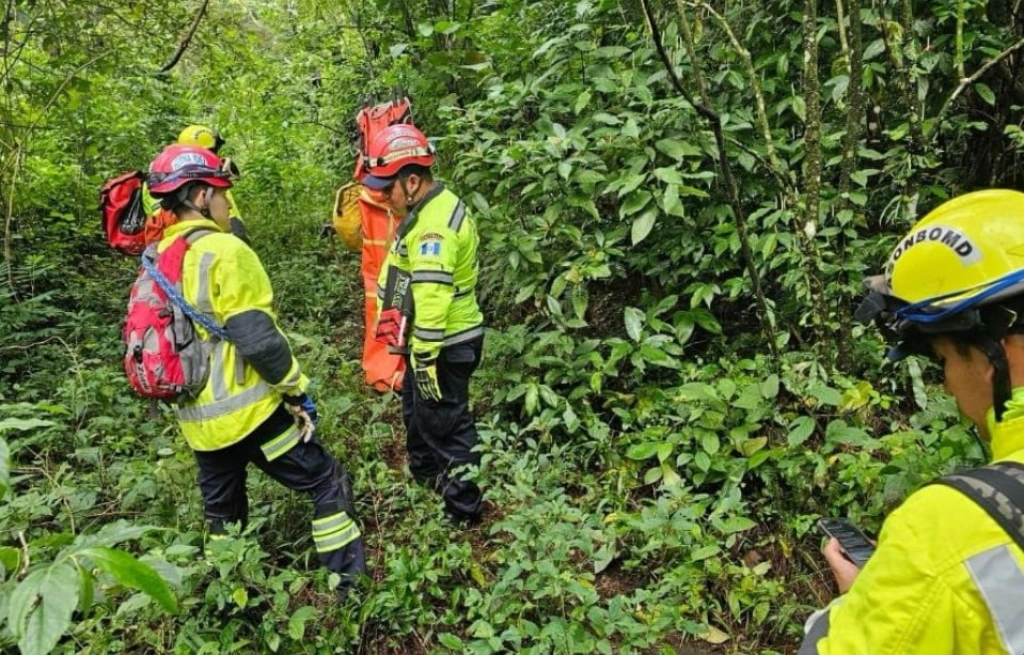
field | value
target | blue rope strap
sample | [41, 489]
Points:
[179, 300]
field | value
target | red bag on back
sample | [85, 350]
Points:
[124, 215]
[371, 120]
[165, 358]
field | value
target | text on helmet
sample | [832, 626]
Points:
[947, 236]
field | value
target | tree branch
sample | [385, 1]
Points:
[967, 81]
[186, 41]
[767, 324]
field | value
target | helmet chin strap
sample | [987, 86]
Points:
[205, 208]
[1001, 390]
[405, 190]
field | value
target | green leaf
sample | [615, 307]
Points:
[85, 588]
[751, 446]
[634, 323]
[41, 607]
[737, 524]
[10, 560]
[669, 477]
[5, 468]
[677, 149]
[23, 424]
[653, 475]
[704, 552]
[450, 641]
[581, 102]
[668, 175]
[800, 108]
[710, 443]
[134, 574]
[670, 201]
[636, 201]
[986, 93]
[706, 320]
[702, 461]
[643, 225]
[299, 619]
[770, 387]
[800, 430]
[643, 451]
[826, 395]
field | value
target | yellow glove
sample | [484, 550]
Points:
[425, 370]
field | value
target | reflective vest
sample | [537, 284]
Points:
[946, 579]
[223, 278]
[436, 244]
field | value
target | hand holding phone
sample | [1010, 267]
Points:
[855, 545]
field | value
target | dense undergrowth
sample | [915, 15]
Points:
[658, 434]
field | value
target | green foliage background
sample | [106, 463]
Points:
[659, 434]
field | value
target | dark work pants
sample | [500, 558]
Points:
[307, 467]
[441, 435]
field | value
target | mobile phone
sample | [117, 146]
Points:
[854, 543]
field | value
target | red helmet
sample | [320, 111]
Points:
[178, 165]
[393, 149]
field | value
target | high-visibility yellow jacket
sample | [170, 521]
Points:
[436, 243]
[946, 579]
[251, 371]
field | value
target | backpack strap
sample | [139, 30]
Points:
[166, 270]
[999, 490]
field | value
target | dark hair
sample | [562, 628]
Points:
[175, 202]
[416, 169]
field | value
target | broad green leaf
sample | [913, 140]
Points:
[643, 451]
[299, 619]
[581, 102]
[677, 149]
[634, 322]
[710, 443]
[634, 202]
[653, 475]
[668, 175]
[800, 430]
[669, 477]
[46, 608]
[643, 225]
[705, 552]
[452, 642]
[770, 387]
[826, 395]
[134, 574]
[751, 446]
[670, 201]
[23, 424]
[10, 560]
[737, 524]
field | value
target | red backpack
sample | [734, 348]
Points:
[124, 214]
[165, 358]
[372, 119]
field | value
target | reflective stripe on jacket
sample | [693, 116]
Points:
[437, 244]
[223, 278]
[946, 579]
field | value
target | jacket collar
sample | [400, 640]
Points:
[1008, 434]
[184, 227]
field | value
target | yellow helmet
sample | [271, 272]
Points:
[959, 271]
[202, 136]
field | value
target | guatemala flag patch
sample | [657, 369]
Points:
[430, 248]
